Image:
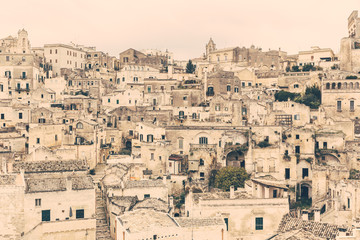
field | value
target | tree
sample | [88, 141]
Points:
[283, 96]
[230, 176]
[295, 69]
[190, 67]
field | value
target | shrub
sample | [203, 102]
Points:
[264, 144]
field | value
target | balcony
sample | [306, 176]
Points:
[207, 147]
[209, 94]
[22, 89]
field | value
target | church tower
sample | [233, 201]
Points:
[210, 47]
[23, 44]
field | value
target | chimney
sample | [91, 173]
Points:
[316, 215]
[4, 166]
[68, 184]
[232, 192]
[164, 179]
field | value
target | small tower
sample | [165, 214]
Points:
[210, 47]
[23, 44]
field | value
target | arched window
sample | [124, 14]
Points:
[201, 162]
[357, 85]
[79, 125]
[328, 86]
[181, 114]
[333, 86]
[141, 137]
[339, 85]
[203, 140]
[345, 85]
[194, 115]
[351, 85]
[228, 88]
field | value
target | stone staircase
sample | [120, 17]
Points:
[102, 229]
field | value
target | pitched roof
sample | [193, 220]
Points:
[199, 222]
[50, 166]
[57, 184]
[152, 203]
[318, 229]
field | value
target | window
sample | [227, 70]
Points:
[38, 140]
[181, 143]
[152, 156]
[296, 85]
[228, 88]
[7, 58]
[131, 132]
[236, 89]
[38, 202]
[2, 116]
[297, 149]
[305, 172]
[217, 107]
[226, 220]
[79, 125]
[79, 213]
[108, 100]
[352, 106]
[324, 145]
[348, 203]
[150, 138]
[146, 195]
[149, 89]
[203, 140]
[297, 136]
[141, 137]
[287, 173]
[274, 193]
[185, 98]
[297, 117]
[129, 118]
[259, 223]
[202, 174]
[201, 162]
[42, 95]
[339, 106]
[56, 137]
[45, 215]
[20, 115]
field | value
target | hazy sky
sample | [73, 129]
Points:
[183, 27]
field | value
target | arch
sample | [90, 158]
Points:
[333, 85]
[235, 159]
[79, 125]
[339, 85]
[357, 85]
[345, 85]
[194, 116]
[327, 85]
[351, 85]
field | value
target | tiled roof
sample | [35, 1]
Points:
[50, 166]
[318, 229]
[199, 222]
[143, 220]
[7, 179]
[219, 196]
[57, 184]
[144, 184]
[152, 203]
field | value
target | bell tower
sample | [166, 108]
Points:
[210, 47]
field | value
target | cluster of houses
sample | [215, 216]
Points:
[94, 146]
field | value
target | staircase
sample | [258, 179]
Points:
[102, 229]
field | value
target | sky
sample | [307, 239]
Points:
[183, 27]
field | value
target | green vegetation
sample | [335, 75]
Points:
[230, 176]
[92, 171]
[302, 203]
[264, 144]
[354, 174]
[311, 98]
[179, 200]
[125, 151]
[351, 77]
[190, 67]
